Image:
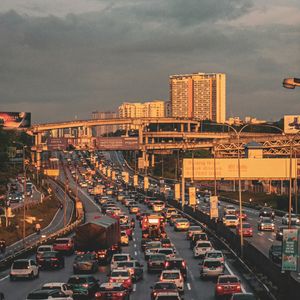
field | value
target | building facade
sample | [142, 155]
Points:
[105, 129]
[201, 96]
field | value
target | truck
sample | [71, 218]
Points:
[100, 234]
[153, 226]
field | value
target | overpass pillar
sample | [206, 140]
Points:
[39, 150]
[152, 160]
[181, 127]
[141, 135]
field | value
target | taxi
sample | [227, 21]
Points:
[124, 238]
[181, 224]
[158, 206]
[230, 220]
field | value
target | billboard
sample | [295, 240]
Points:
[291, 124]
[192, 196]
[135, 180]
[227, 168]
[117, 143]
[14, 120]
[289, 250]
[57, 143]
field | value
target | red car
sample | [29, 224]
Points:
[163, 287]
[243, 215]
[112, 291]
[247, 230]
[64, 245]
[227, 285]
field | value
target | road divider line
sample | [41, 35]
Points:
[188, 286]
[135, 253]
[271, 240]
[2, 279]
[134, 288]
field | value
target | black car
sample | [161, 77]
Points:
[177, 263]
[51, 260]
[144, 242]
[279, 231]
[85, 263]
[267, 212]
[275, 253]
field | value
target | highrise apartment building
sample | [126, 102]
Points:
[200, 95]
[153, 109]
[101, 130]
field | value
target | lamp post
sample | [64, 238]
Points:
[25, 163]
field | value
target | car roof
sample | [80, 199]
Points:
[170, 271]
[49, 284]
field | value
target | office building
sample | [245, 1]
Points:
[200, 95]
[105, 129]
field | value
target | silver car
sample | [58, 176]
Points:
[211, 268]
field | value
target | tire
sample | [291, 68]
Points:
[31, 276]
[11, 278]
[38, 274]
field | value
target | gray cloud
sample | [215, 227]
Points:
[58, 67]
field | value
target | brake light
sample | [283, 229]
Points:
[120, 294]
[98, 294]
[238, 288]
[85, 285]
[183, 264]
[54, 258]
[167, 264]
[128, 280]
[219, 287]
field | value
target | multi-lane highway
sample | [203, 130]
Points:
[193, 287]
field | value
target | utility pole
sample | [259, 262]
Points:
[65, 202]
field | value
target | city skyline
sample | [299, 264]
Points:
[61, 62]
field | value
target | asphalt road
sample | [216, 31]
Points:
[193, 288]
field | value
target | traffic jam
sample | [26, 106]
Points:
[131, 246]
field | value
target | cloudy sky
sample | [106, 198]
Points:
[65, 58]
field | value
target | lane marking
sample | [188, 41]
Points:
[134, 288]
[260, 233]
[133, 239]
[231, 273]
[188, 286]
[135, 253]
[271, 240]
[4, 278]
[134, 245]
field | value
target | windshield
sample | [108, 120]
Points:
[49, 254]
[61, 242]
[228, 279]
[166, 251]
[211, 264]
[203, 245]
[119, 274]
[77, 280]
[157, 257]
[20, 264]
[164, 286]
[84, 257]
[214, 255]
[128, 264]
[231, 217]
[170, 275]
[120, 257]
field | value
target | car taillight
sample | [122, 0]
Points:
[238, 288]
[183, 264]
[128, 280]
[219, 287]
[98, 294]
[54, 258]
[85, 285]
[167, 264]
[120, 294]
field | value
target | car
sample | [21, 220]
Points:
[275, 253]
[215, 254]
[173, 218]
[267, 212]
[169, 252]
[167, 296]
[294, 219]
[83, 285]
[181, 224]
[124, 238]
[201, 248]
[230, 220]
[158, 206]
[65, 245]
[113, 291]
[211, 267]
[135, 268]
[121, 275]
[24, 268]
[156, 262]
[229, 210]
[242, 216]
[119, 257]
[128, 229]
[169, 212]
[163, 287]
[49, 294]
[41, 249]
[227, 285]
[177, 263]
[279, 231]
[192, 230]
[243, 296]
[265, 224]
[51, 260]
[198, 237]
[85, 263]
[151, 248]
[60, 286]
[133, 209]
[144, 242]
[247, 229]
[166, 243]
[173, 276]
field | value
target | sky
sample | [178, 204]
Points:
[63, 59]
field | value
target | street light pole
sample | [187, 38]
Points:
[65, 202]
[215, 170]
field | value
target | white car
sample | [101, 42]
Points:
[24, 268]
[201, 248]
[230, 220]
[215, 254]
[48, 295]
[43, 248]
[173, 276]
[60, 286]
[294, 219]
[169, 252]
[119, 257]
[229, 210]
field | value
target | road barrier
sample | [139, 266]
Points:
[23, 253]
